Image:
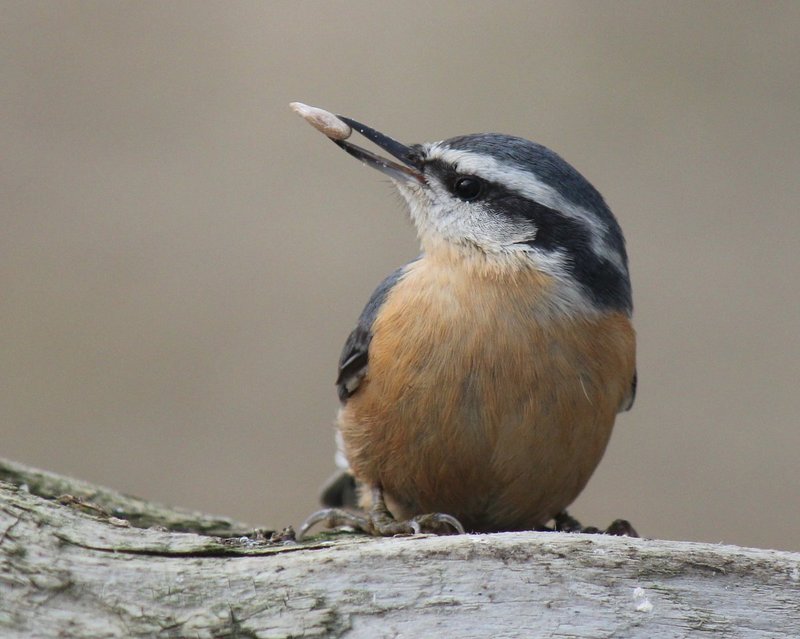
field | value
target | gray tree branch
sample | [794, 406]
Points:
[82, 561]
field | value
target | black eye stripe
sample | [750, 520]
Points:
[464, 186]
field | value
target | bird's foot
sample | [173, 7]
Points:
[379, 522]
[564, 522]
[333, 518]
[380, 525]
[434, 523]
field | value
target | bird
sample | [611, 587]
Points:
[480, 385]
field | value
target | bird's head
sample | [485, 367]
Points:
[510, 202]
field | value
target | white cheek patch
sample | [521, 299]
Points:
[529, 186]
[435, 211]
[473, 222]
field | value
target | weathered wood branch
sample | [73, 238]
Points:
[81, 561]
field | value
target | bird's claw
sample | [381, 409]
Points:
[621, 528]
[382, 524]
[433, 523]
[564, 522]
[333, 518]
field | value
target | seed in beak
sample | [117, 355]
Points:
[323, 121]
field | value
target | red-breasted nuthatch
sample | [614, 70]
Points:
[481, 383]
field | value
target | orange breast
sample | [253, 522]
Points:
[476, 405]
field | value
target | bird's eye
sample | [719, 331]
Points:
[468, 188]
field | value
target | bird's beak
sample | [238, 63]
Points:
[409, 171]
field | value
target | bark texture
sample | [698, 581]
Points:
[80, 561]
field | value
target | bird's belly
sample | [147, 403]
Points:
[471, 407]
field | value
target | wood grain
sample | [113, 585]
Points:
[71, 570]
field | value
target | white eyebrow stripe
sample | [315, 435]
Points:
[528, 185]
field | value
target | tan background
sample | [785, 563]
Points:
[181, 258]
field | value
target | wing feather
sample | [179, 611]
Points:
[355, 356]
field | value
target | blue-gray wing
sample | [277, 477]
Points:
[341, 489]
[355, 355]
[632, 397]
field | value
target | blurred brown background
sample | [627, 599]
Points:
[181, 257]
